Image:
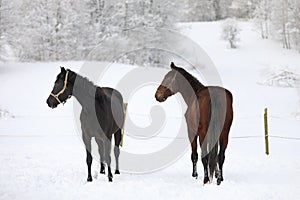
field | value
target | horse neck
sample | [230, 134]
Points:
[189, 87]
[84, 91]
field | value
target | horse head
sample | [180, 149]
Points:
[62, 89]
[169, 85]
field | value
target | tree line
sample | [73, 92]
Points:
[52, 30]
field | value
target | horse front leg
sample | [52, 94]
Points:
[194, 156]
[89, 158]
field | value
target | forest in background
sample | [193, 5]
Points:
[61, 30]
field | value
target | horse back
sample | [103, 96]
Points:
[198, 114]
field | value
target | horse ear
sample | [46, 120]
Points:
[62, 69]
[172, 65]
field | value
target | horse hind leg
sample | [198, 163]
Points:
[118, 137]
[221, 159]
[205, 166]
[102, 168]
[213, 157]
[204, 153]
[107, 150]
[219, 175]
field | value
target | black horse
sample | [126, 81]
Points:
[101, 116]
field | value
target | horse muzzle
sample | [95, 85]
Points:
[160, 98]
[52, 103]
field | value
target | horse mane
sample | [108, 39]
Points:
[194, 82]
[88, 85]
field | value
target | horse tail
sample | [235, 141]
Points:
[118, 136]
[123, 124]
[217, 117]
[213, 157]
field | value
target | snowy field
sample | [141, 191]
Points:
[42, 156]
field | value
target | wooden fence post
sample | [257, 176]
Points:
[266, 131]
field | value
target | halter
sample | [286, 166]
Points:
[62, 90]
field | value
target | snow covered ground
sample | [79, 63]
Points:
[42, 156]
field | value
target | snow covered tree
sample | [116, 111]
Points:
[279, 19]
[9, 10]
[230, 32]
[281, 22]
[285, 22]
[242, 8]
[262, 16]
[295, 23]
[50, 30]
[217, 9]
[200, 10]
[123, 18]
[221, 8]
[206, 10]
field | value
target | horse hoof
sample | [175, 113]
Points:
[219, 181]
[110, 179]
[195, 175]
[117, 171]
[102, 168]
[206, 180]
[89, 179]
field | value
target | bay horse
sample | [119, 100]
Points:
[208, 116]
[101, 116]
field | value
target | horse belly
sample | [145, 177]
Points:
[90, 125]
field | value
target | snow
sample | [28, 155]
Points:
[282, 78]
[42, 155]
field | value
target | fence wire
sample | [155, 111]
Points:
[70, 133]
